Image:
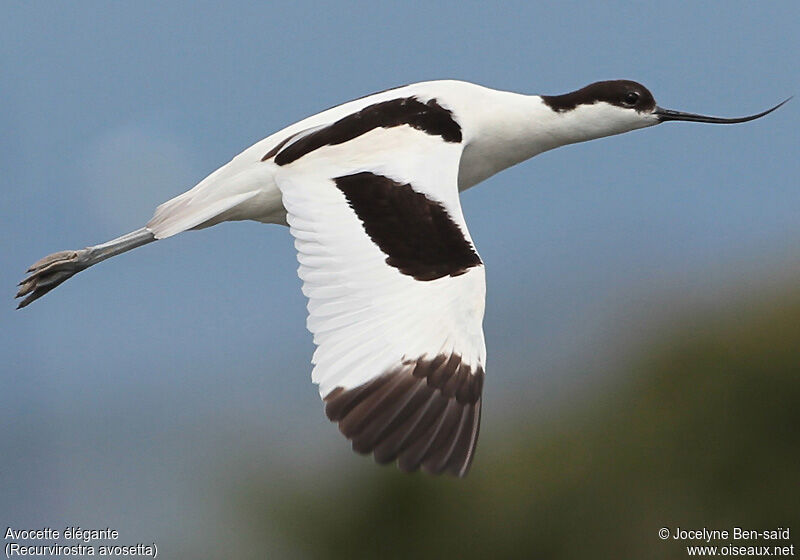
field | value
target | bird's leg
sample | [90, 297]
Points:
[47, 273]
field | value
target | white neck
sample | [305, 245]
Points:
[508, 128]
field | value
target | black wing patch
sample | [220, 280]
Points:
[425, 413]
[429, 117]
[416, 233]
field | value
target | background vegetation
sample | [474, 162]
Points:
[701, 431]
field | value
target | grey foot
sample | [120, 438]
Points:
[49, 272]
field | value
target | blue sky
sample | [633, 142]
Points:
[110, 109]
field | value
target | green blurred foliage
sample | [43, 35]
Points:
[702, 431]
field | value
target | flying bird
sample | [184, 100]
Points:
[395, 286]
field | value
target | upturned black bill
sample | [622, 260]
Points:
[670, 115]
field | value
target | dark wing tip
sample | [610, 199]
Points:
[412, 416]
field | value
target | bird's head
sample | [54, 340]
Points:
[616, 106]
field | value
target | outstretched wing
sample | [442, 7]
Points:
[396, 289]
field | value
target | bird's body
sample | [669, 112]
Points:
[494, 137]
[396, 288]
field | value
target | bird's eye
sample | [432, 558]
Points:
[631, 98]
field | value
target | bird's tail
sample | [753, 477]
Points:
[186, 212]
[229, 193]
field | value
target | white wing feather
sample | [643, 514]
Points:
[367, 317]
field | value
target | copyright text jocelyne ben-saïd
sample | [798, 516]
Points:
[71, 541]
[736, 541]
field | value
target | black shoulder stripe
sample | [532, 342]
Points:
[416, 233]
[273, 152]
[429, 117]
[277, 148]
[425, 413]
